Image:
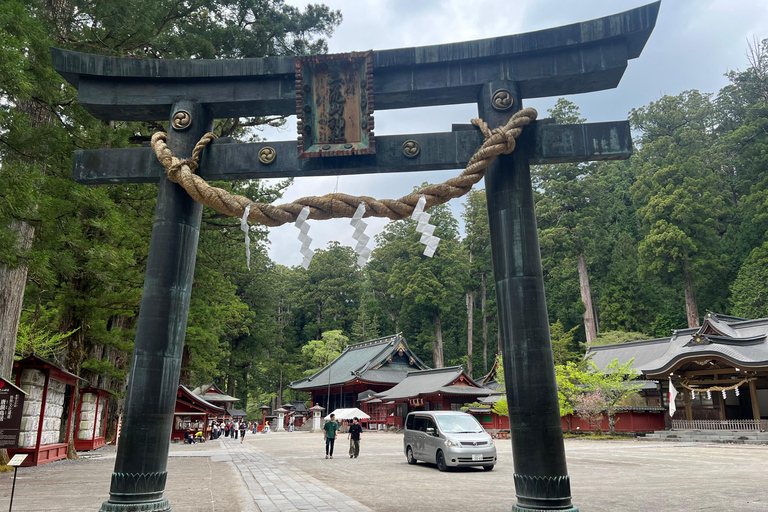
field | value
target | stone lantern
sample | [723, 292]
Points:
[280, 419]
[316, 416]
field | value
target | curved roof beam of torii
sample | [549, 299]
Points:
[577, 58]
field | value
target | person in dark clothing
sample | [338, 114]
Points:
[355, 433]
[331, 429]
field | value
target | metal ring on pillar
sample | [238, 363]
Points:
[411, 148]
[181, 120]
[267, 155]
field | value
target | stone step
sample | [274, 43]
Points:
[713, 436]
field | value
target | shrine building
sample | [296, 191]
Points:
[720, 371]
[439, 389]
[376, 365]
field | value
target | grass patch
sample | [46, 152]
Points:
[5, 469]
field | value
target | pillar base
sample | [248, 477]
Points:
[160, 505]
[519, 508]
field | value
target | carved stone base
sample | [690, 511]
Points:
[160, 505]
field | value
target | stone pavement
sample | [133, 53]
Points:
[278, 486]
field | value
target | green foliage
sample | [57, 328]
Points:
[501, 407]
[563, 347]
[48, 345]
[319, 353]
[613, 337]
[750, 289]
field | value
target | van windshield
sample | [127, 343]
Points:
[460, 423]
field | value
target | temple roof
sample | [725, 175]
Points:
[738, 341]
[212, 393]
[449, 381]
[198, 401]
[383, 360]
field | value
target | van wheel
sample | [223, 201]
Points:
[441, 465]
[488, 468]
[409, 456]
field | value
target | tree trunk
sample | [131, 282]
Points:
[485, 323]
[470, 300]
[280, 391]
[590, 320]
[437, 346]
[691, 309]
[612, 423]
[12, 283]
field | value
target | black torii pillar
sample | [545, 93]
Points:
[138, 480]
[541, 476]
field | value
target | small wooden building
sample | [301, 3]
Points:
[212, 394]
[92, 419]
[48, 412]
[192, 412]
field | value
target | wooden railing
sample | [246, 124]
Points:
[756, 425]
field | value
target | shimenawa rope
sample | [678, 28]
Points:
[498, 141]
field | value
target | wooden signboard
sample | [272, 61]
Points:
[334, 102]
[11, 406]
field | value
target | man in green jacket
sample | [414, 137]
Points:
[331, 429]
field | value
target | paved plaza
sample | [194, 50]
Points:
[289, 472]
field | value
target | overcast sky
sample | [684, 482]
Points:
[694, 44]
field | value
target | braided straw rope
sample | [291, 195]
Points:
[743, 381]
[497, 141]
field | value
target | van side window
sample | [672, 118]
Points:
[428, 423]
[409, 422]
[418, 424]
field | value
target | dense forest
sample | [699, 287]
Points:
[630, 249]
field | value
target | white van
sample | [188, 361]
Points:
[448, 439]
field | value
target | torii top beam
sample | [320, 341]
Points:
[577, 58]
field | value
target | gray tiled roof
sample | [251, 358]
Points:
[742, 342]
[365, 361]
[425, 382]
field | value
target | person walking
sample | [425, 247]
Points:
[331, 429]
[234, 430]
[243, 428]
[355, 433]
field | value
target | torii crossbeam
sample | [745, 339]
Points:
[495, 73]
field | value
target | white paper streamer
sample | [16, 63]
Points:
[425, 228]
[301, 223]
[359, 235]
[245, 229]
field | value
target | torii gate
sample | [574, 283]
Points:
[496, 73]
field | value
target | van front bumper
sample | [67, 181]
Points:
[456, 456]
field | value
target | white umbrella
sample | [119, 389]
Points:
[349, 414]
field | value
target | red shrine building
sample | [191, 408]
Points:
[385, 379]
[720, 371]
[374, 365]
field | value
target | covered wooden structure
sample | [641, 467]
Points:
[719, 369]
[92, 419]
[192, 412]
[212, 394]
[376, 365]
[439, 389]
[48, 410]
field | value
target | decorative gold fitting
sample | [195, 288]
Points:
[181, 120]
[411, 148]
[267, 155]
[502, 100]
